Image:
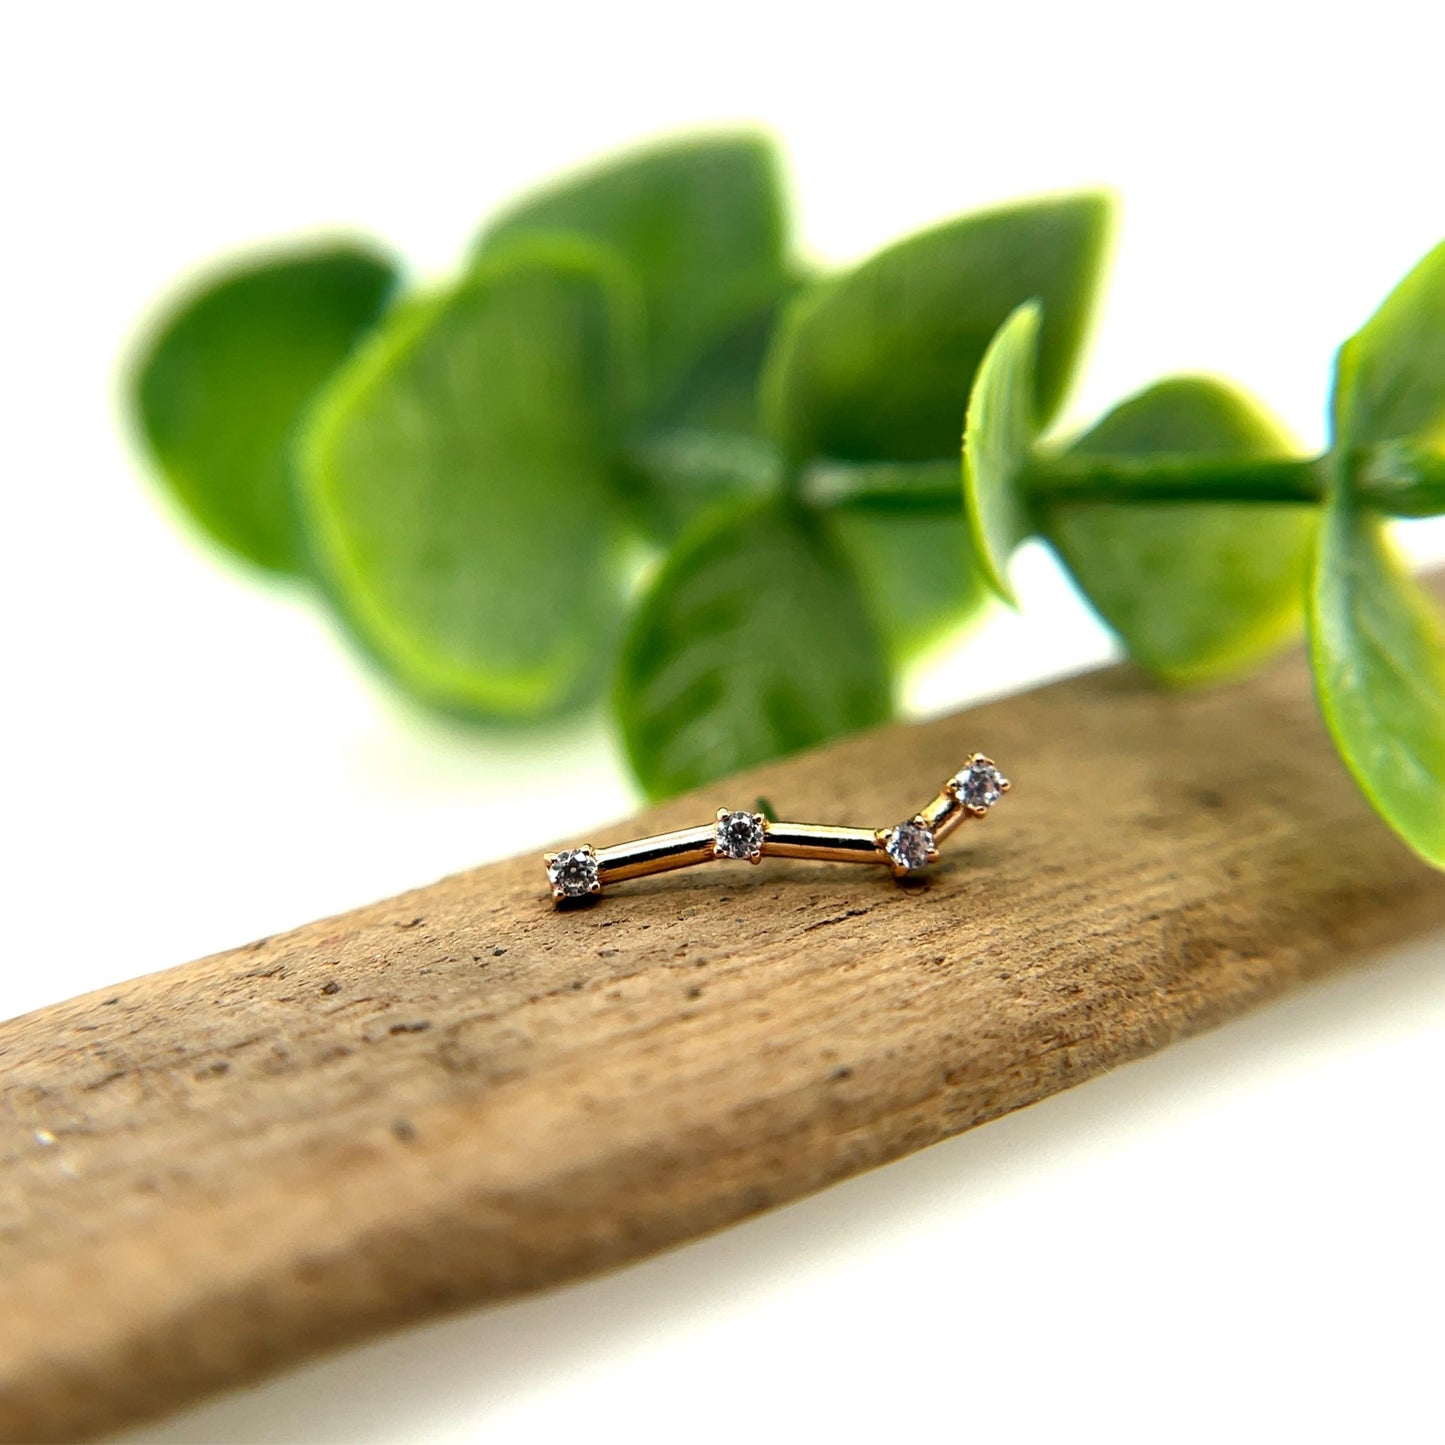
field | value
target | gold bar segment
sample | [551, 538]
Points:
[943, 814]
[658, 854]
[820, 841]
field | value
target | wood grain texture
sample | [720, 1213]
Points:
[459, 1094]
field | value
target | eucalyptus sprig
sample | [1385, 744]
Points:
[637, 444]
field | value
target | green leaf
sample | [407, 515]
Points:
[700, 224]
[457, 482]
[1377, 644]
[702, 443]
[997, 443]
[1195, 591]
[752, 642]
[1390, 375]
[719, 392]
[877, 364]
[918, 574]
[222, 383]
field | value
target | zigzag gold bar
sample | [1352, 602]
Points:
[745, 836]
[943, 814]
[658, 854]
[822, 842]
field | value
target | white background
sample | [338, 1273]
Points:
[1238, 1237]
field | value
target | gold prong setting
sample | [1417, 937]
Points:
[979, 785]
[573, 873]
[741, 836]
[909, 845]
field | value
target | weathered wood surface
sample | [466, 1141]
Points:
[459, 1094]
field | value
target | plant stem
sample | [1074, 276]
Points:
[1167, 477]
[1415, 488]
[1395, 479]
[932, 486]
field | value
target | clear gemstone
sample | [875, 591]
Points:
[739, 835]
[573, 873]
[980, 785]
[909, 845]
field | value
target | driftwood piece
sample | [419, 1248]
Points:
[459, 1094]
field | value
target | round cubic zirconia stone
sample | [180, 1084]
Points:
[908, 845]
[980, 785]
[739, 835]
[573, 873]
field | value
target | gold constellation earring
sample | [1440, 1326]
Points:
[750, 837]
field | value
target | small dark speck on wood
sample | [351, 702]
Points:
[836, 918]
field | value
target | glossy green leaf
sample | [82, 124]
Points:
[701, 443]
[699, 222]
[997, 442]
[752, 642]
[1195, 591]
[1390, 375]
[918, 573]
[1377, 643]
[719, 391]
[457, 482]
[221, 385]
[877, 364]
